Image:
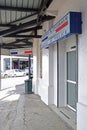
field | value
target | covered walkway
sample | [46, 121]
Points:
[19, 111]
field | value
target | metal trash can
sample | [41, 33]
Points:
[28, 86]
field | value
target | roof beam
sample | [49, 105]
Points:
[7, 25]
[17, 41]
[7, 45]
[44, 5]
[25, 36]
[27, 24]
[27, 30]
[21, 9]
[16, 45]
[30, 29]
[48, 3]
[13, 47]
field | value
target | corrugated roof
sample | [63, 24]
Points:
[20, 9]
[17, 17]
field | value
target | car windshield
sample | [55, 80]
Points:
[20, 70]
[16, 70]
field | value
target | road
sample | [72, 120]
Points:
[12, 82]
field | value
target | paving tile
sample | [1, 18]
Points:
[19, 111]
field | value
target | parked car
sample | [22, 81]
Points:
[27, 70]
[1, 74]
[31, 71]
[13, 73]
[7, 73]
[18, 72]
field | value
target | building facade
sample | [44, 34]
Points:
[60, 69]
[13, 62]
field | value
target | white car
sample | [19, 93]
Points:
[18, 72]
[13, 73]
[27, 71]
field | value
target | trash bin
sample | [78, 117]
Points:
[28, 86]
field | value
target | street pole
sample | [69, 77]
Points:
[29, 65]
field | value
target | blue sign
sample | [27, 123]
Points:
[70, 24]
[14, 53]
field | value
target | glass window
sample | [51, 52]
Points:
[71, 66]
[71, 95]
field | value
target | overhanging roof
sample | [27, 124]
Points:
[20, 20]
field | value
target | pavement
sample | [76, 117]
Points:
[20, 111]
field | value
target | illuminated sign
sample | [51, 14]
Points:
[27, 52]
[14, 53]
[68, 25]
[21, 51]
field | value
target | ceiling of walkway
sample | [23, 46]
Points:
[20, 20]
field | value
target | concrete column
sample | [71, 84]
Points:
[35, 65]
[0, 68]
[82, 83]
[51, 77]
[0, 60]
[10, 63]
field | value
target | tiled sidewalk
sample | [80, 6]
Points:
[19, 111]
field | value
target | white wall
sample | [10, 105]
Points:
[80, 5]
[48, 83]
[51, 78]
[82, 57]
[62, 74]
[64, 47]
[81, 116]
[66, 6]
[82, 71]
[42, 82]
[35, 65]
[0, 72]
[5, 52]
[55, 73]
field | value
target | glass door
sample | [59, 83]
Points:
[71, 80]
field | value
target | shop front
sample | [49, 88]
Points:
[63, 37]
